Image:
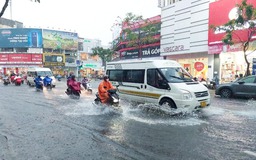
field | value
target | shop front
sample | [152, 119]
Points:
[54, 61]
[18, 63]
[196, 64]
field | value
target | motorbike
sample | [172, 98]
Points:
[12, 79]
[74, 90]
[39, 86]
[6, 81]
[113, 101]
[212, 85]
[87, 86]
[18, 81]
[48, 84]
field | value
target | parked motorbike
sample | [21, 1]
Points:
[113, 101]
[212, 85]
[74, 90]
[87, 86]
[6, 81]
[18, 81]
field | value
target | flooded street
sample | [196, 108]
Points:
[50, 125]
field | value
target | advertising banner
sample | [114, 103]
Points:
[60, 40]
[20, 58]
[53, 59]
[146, 52]
[21, 38]
[220, 12]
[254, 66]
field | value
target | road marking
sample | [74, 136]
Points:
[250, 153]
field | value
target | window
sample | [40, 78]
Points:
[249, 80]
[115, 75]
[155, 79]
[132, 76]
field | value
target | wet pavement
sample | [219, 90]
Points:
[50, 125]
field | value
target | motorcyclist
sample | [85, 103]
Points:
[103, 88]
[47, 80]
[71, 83]
[17, 78]
[69, 77]
[84, 82]
[38, 81]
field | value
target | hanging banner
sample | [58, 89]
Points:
[254, 66]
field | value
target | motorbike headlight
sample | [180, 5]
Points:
[186, 95]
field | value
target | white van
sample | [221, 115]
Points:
[157, 81]
[34, 72]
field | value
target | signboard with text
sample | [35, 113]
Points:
[20, 58]
[146, 52]
[21, 38]
[53, 59]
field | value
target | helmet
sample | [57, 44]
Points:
[39, 76]
[105, 77]
[73, 77]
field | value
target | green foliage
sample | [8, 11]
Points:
[104, 54]
[139, 31]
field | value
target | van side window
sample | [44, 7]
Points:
[133, 76]
[155, 79]
[115, 75]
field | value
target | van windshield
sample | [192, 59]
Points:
[44, 73]
[176, 75]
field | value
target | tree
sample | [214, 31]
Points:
[137, 31]
[104, 54]
[6, 5]
[245, 20]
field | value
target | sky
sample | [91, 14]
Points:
[89, 18]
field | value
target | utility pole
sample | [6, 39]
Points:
[10, 9]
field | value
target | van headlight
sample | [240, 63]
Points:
[186, 95]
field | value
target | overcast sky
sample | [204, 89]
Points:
[89, 18]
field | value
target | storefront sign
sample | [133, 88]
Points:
[174, 48]
[226, 11]
[53, 59]
[215, 49]
[20, 38]
[60, 40]
[21, 58]
[146, 52]
[199, 66]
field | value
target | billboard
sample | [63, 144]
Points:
[20, 58]
[60, 40]
[21, 38]
[53, 59]
[220, 12]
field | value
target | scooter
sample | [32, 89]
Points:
[17, 82]
[39, 86]
[74, 91]
[48, 84]
[113, 101]
[6, 81]
[87, 86]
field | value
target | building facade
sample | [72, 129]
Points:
[150, 50]
[184, 35]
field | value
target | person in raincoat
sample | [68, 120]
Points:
[103, 88]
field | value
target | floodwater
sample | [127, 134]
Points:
[50, 125]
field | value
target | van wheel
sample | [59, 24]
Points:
[168, 102]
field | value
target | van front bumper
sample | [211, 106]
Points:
[194, 104]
